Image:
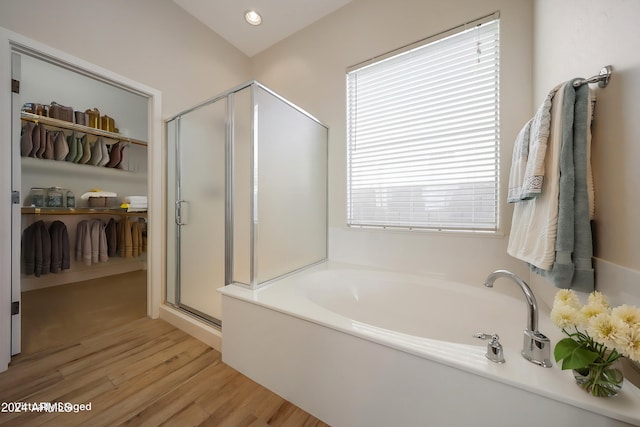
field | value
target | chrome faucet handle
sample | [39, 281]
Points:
[494, 348]
[537, 348]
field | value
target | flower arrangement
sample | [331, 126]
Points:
[598, 335]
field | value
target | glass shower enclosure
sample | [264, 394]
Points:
[246, 196]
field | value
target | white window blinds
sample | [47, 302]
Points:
[423, 135]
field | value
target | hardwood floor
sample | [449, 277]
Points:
[70, 312]
[142, 373]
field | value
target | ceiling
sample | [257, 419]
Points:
[280, 19]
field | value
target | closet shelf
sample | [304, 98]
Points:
[30, 210]
[61, 124]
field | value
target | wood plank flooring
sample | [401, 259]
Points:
[145, 373]
[67, 313]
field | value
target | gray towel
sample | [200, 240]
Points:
[573, 265]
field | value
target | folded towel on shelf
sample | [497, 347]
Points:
[135, 203]
[527, 166]
[90, 194]
[135, 199]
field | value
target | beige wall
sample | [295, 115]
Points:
[575, 38]
[153, 42]
[158, 44]
[309, 67]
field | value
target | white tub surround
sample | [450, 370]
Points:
[358, 347]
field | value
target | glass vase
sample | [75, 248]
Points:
[600, 379]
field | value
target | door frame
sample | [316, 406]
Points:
[155, 177]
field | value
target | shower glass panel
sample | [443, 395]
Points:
[291, 220]
[247, 196]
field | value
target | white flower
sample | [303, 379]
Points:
[592, 309]
[631, 344]
[596, 298]
[608, 330]
[628, 314]
[617, 328]
[567, 297]
[566, 309]
[565, 315]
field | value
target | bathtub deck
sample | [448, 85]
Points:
[371, 369]
[144, 373]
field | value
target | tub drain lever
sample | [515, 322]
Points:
[494, 348]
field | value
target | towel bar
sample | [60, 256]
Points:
[602, 79]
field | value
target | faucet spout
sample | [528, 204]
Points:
[532, 305]
[536, 346]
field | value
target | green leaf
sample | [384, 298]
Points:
[573, 354]
[564, 348]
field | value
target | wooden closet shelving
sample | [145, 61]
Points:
[30, 210]
[61, 124]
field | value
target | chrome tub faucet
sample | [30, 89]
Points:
[536, 347]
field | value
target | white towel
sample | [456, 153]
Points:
[535, 221]
[136, 203]
[526, 177]
[89, 194]
[135, 199]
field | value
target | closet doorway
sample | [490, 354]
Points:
[68, 285]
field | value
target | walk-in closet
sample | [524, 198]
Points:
[79, 170]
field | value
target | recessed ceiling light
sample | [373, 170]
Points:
[252, 17]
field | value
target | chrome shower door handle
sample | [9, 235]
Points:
[181, 212]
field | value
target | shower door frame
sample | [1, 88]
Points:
[228, 230]
[253, 284]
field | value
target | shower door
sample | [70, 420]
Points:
[196, 220]
[249, 203]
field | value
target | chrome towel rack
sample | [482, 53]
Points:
[602, 79]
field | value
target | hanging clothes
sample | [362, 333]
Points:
[60, 256]
[111, 232]
[83, 242]
[91, 242]
[125, 240]
[39, 247]
[45, 249]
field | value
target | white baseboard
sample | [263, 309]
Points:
[194, 327]
[79, 272]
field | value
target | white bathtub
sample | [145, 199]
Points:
[359, 347]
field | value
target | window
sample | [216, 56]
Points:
[423, 134]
